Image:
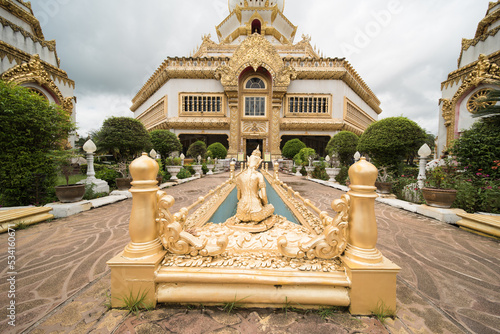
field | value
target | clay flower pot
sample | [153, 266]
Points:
[70, 193]
[123, 183]
[439, 198]
[384, 187]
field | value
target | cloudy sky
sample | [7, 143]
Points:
[403, 49]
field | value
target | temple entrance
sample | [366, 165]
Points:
[251, 145]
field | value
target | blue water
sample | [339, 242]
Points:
[228, 207]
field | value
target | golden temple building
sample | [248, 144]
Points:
[477, 73]
[29, 60]
[255, 86]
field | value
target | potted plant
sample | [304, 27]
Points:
[173, 166]
[70, 192]
[333, 170]
[439, 190]
[210, 166]
[198, 167]
[384, 181]
[122, 183]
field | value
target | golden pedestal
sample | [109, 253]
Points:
[324, 261]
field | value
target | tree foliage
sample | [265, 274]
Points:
[302, 158]
[479, 147]
[30, 129]
[391, 140]
[344, 144]
[165, 142]
[292, 147]
[217, 150]
[197, 148]
[124, 137]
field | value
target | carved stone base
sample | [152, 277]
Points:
[252, 227]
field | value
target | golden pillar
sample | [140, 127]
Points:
[362, 237]
[133, 270]
[373, 277]
[143, 230]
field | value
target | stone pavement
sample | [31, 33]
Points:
[449, 281]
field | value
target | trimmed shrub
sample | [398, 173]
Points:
[391, 140]
[292, 147]
[165, 142]
[301, 158]
[344, 144]
[217, 151]
[197, 148]
[123, 137]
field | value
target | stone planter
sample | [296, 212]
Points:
[332, 173]
[70, 193]
[210, 167]
[173, 170]
[439, 198]
[123, 183]
[384, 187]
[309, 170]
[198, 170]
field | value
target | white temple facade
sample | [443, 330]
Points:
[29, 60]
[478, 72]
[255, 86]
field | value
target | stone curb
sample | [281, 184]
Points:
[449, 216]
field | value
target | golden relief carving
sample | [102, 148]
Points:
[210, 123]
[14, 54]
[175, 239]
[331, 243]
[462, 73]
[484, 72]
[255, 52]
[34, 71]
[254, 127]
[476, 101]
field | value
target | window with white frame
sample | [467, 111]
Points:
[255, 106]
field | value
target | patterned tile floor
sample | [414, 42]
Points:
[449, 282]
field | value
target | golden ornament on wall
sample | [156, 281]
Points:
[477, 101]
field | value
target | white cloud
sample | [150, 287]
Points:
[110, 48]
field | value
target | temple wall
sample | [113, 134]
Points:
[490, 45]
[337, 88]
[173, 87]
[26, 44]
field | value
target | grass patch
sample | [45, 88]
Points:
[135, 303]
[232, 306]
[326, 312]
[21, 226]
[383, 312]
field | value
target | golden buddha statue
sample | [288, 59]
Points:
[252, 197]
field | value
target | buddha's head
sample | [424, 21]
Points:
[255, 159]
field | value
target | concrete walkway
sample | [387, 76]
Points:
[449, 282]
